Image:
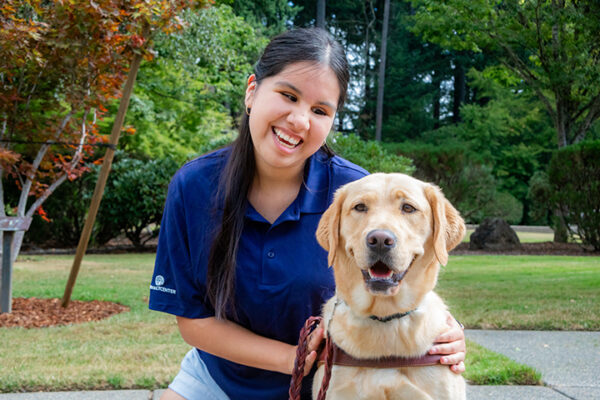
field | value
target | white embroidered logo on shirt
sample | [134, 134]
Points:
[159, 281]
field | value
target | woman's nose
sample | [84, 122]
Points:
[299, 119]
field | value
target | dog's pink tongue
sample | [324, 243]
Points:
[380, 270]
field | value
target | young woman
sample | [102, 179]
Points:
[238, 263]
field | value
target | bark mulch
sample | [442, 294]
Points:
[41, 313]
[537, 248]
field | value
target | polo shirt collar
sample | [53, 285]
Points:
[314, 192]
[313, 196]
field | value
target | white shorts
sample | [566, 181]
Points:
[194, 381]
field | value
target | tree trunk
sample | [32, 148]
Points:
[321, 14]
[381, 80]
[102, 178]
[561, 129]
[459, 90]
[437, 95]
[561, 234]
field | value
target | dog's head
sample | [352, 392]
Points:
[386, 232]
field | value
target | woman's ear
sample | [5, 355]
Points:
[328, 231]
[250, 89]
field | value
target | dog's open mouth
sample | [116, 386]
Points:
[380, 277]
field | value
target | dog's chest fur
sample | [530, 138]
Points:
[409, 336]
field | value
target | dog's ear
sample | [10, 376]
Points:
[328, 231]
[448, 225]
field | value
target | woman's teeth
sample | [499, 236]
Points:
[285, 140]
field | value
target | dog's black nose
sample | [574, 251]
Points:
[381, 240]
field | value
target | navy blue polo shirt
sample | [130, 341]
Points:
[282, 277]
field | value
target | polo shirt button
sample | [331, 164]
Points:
[271, 254]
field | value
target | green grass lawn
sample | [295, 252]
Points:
[143, 349]
[139, 348]
[523, 292]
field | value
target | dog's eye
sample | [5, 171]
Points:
[360, 207]
[407, 208]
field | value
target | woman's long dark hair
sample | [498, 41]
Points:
[299, 45]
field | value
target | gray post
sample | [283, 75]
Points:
[321, 14]
[9, 225]
[381, 80]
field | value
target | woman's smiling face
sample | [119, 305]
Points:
[291, 114]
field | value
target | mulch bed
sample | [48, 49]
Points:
[538, 248]
[40, 313]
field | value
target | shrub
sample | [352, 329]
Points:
[132, 204]
[507, 207]
[574, 176]
[66, 209]
[134, 199]
[467, 182]
[370, 154]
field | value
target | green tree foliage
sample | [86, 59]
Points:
[425, 83]
[574, 176]
[61, 65]
[508, 134]
[269, 17]
[552, 45]
[412, 73]
[511, 132]
[186, 102]
[369, 154]
[466, 181]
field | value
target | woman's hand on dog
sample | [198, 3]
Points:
[314, 341]
[451, 344]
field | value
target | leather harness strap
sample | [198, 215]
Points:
[340, 357]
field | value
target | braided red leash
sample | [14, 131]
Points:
[298, 373]
[328, 365]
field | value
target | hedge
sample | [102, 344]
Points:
[574, 176]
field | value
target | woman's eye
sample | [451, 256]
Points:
[360, 207]
[289, 96]
[407, 208]
[320, 111]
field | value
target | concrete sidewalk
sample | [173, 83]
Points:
[568, 361]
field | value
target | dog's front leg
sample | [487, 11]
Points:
[403, 389]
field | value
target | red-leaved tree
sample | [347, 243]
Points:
[61, 63]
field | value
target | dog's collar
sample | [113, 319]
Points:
[373, 317]
[390, 317]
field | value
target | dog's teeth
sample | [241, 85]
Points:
[378, 273]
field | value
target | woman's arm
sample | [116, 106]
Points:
[232, 342]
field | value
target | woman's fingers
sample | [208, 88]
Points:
[310, 360]
[454, 332]
[453, 359]
[315, 339]
[452, 346]
[458, 368]
[448, 348]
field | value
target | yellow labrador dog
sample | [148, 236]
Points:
[386, 235]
